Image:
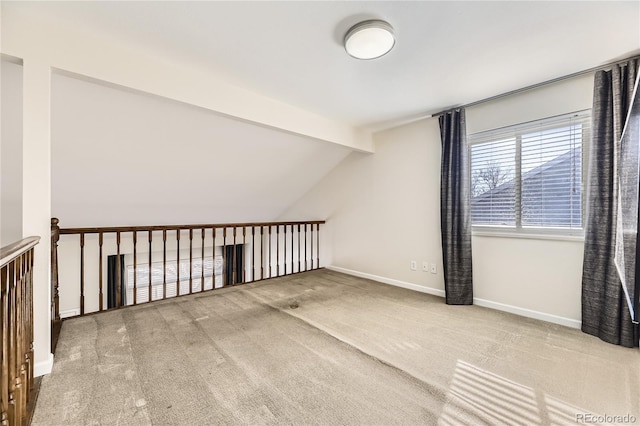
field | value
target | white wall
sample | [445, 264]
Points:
[565, 96]
[11, 154]
[383, 211]
[537, 278]
[541, 276]
[123, 158]
[36, 199]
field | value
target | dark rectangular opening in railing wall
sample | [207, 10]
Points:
[97, 269]
[16, 330]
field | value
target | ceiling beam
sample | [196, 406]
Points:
[63, 48]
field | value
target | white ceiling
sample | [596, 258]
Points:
[446, 54]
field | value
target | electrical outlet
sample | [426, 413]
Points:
[425, 266]
[433, 268]
[413, 265]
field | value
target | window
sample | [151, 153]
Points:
[529, 177]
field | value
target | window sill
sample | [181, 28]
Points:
[527, 235]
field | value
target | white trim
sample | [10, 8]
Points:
[523, 312]
[43, 367]
[70, 313]
[391, 281]
[484, 232]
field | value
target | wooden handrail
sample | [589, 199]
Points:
[234, 253]
[108, 229]
[16, 330]
[12, 251]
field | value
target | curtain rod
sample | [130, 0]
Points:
[535, 86]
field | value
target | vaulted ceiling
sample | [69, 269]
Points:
[121, 157]
[447, 52]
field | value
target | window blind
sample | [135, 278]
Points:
[530, 175]
[493, 168]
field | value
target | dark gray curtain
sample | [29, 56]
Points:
[455, 215]
[605, 312]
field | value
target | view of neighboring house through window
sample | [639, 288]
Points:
[529, 177]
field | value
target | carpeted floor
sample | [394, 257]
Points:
[327, 348]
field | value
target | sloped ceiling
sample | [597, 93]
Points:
[122, 158]
[447, 52]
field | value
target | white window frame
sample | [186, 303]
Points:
[518, 231]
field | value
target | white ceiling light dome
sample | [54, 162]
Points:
[369, 39]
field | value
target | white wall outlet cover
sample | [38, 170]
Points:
[433, 268]
[413, 265]
[425, 266]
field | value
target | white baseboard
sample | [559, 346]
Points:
[44, 367]
[391, 281]
[70, 313]
[523, 312]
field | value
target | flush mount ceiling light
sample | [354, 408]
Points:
[369, 39]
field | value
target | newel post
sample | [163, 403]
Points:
[55, 304]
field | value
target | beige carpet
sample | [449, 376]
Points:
[326, 348]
